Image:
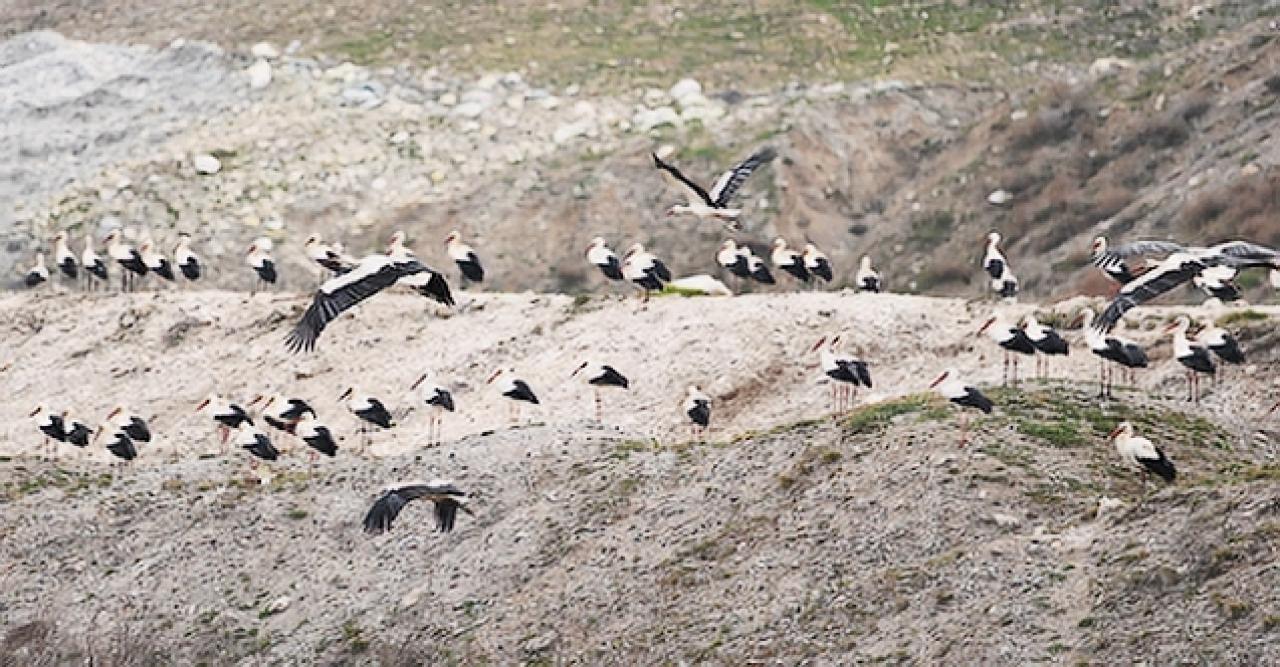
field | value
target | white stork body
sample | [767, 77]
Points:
[788, 260]
[867, 278]
[439, 400]
[1047, 341]
[1218, 282]
[646, 271]
[226, 415]
[317, 436]
[369, 410]
[600, 375]
[955, 389]
[428, 282]
[817, 263]
[755, 266]
[1108, 347]
[129, 259]
[600, 256]
[1140, 453]
[329, 259]
[697, 408]
[994, 262]
[94, 268]
[63, 258]
[1006, 286]
[157, 264]
[465, 257]
[37, 274]
[1012, 340]
[846, 372]
[53, 426]
[733, 261]
[1221, 343]
[1193, 356]
[249, 438]
[187, 261]
[714, 205]
[514, 389]
[264, 266]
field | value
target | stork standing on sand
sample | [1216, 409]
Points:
[119, 444]
[130, 260]
[646, 271]
[600, 256]
[817, 263]
[438, 399]
[867, 278]
[1193, 356]
[94, 268]
[373, 274]
[847, 373]
[465, 257]
[282, 413]
[756, 267]
[714, 205]
[53, 426]
[187, 261]
[157, 264]
[254, 441]
[446, 497]
[1012, 340]
[1109, 348]
[733, 261]
[369, 410]
[1047, 341]
[1222, 344]
[600, 375]
[63, 258]
[994, 262]
[225, 414]
[952, 387]
[37, 274]
[512, 388]
[697, 408]
[788, 260]
[328, 258]
[317, 436]
[264, 266]
[130, 424]
[1139, 452]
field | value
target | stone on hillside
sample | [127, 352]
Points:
[259, 75]
[650, 118]
[367, 95]
[684, 88]
[1103, 67]
[206, 164]
[569, 131]
[265, 50]
[692, 100]
[702, 114]
[448, 99]
[1000, 197]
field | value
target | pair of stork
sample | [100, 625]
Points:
[124, 427]
[133, 263]
[1031, 338]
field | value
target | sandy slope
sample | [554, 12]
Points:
[162, 353]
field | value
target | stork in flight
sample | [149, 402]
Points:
[446, 497]
[1182, 265]
[714, 205]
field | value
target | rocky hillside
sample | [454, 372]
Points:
[897, 128]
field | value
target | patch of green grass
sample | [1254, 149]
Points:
[877, 416]
[672, 290]
[367, 49]
[1247, 316]
[296, 513]
[1062, 433]
[930, 230]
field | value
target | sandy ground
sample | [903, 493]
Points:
[160, 354]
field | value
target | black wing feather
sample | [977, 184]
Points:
[741, 173]
[706, 198]
[325, 307]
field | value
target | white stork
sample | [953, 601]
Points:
[373, 274]
[1006, 286]
[94, 268]
[264, 267]
[994, 262]
[326, 256]
[952, 387]
[127, 257]
[37, 274]
[1012, 340]
[600, 256]
[1193, 356]
[755, 266]
[867, 278]
[600, 375]
[714, 205]
[249, 438]
[1179, 267]
[788, 260]
[1218, 282]
[513, 388]
[1047, 341]
[817, 263]
[286, 412]
[846, 372]
[1115, 267]
[1221, 343]
[446, 497]
[186, 260]
[52, 425]
[225, 414]
[438, 399]
[157, 264]
[465, 257]
[130, 424]
[369, 410]
[63, 258]
[120, 444]
[733, 261]
[317, 436]
[646, 271]
[697, 407]
[429, 283]
[1139, 452]
[1108, 347]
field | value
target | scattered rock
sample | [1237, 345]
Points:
[1000, 197]
[1104, 67]
[684, 88]
[1005, 521]
[569, 131]
[540, 643]
[650, 118]
[259, 75]
[265, 51]
[277, 606]
[206, 164]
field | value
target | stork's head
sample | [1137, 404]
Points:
[1030, 320]
[579, 369]
[422, 378]
[597, 242]
[1274, 408]
[145, 246]
[674, 209]
[253, 247]
[866, 262]
[397, 238]
[729, 244]
[1122, 429]
[312, 239]
[993, 238]
[779, 243]
[941, 378]
[1099, 245]
[60, 237]
[1180, 324]
[694, 389]
[453, 237]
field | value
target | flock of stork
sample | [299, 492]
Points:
[1142, 271]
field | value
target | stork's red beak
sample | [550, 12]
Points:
[1114, 432]
[986, 326]
[113, 413]
[578, 369]
[204, 403]
[346, 393]
[494, 376]
[818, 344]
[34, 412]
[1171, 326]
[938, 380]
[255, 400]
[418, 381]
